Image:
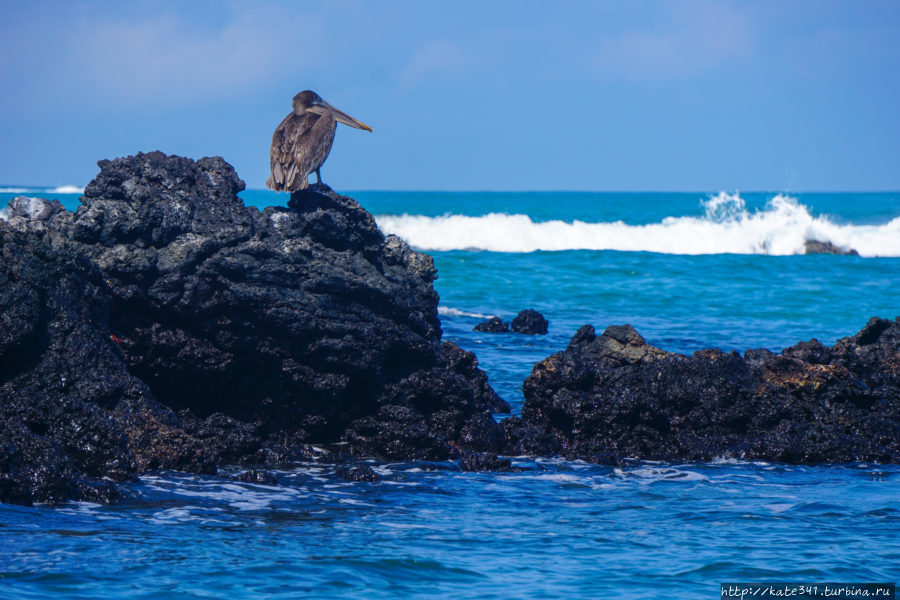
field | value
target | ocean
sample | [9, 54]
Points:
[688, 271]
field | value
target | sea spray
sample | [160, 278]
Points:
[782, 227]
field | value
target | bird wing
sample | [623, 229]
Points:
[289, 159]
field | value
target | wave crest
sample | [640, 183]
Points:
[727, 227]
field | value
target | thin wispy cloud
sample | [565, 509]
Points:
[167, 60]
[149, 59]
[437, 60]
[694, 38]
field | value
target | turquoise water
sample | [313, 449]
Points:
[861, 208]
[688, 270]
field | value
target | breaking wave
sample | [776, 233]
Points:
[781, 228]
[67, 189]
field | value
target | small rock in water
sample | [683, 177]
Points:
[817, 247]
[492, 325]
[357, 473]
[529, 322]
[255, 476]
[483, 461]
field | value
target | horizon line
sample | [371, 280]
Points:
[47, 188]
[609, 191]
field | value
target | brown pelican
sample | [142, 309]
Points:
[303, 140]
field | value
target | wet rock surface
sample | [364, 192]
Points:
[613, 396]
[166, 325]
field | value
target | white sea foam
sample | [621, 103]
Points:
[66, 189]
[779, 507]
[653, 474]
[727, 227]
[240, 496]
[61, 189]
[455, 312]
[558, 478]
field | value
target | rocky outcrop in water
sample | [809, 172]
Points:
[166, 325]
[613, 396]
[492, 325]
[528, 322]
[817, 247]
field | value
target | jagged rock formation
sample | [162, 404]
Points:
[613, 396]
[166, 325]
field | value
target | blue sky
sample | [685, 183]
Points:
[503, 95]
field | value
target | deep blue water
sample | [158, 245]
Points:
[555, 530]
[688, 271]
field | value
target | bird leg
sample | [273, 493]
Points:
[318, 177]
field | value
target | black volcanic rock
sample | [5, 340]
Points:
[492, 325]
[59, 375]
[610, 397]
[166, 325]
[529, 322]
[418, 414]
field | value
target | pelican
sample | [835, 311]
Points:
[302, 142]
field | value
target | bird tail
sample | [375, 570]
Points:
[272, 185]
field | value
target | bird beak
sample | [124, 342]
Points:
[339, 116]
